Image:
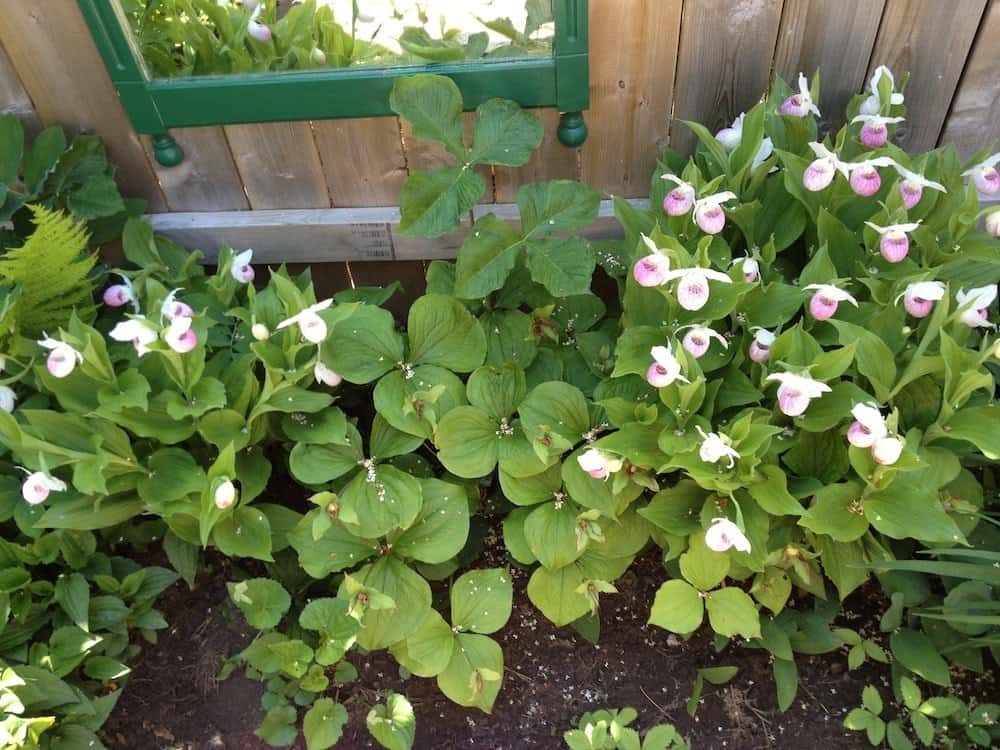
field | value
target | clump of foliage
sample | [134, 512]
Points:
[609, 730]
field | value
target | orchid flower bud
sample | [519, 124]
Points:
[985, 176]
[760, 347]
[7, 399]
[911, 187]
[241, 269]
[38, 485]
[679, 200]
[796, 391]
[652, 269]
[708, 213]
[326, 376]
[887, 450]
[62, 359]
[172, 308]
[895, 242]
[317, 57]
[874, 131]
[117, 295]
[715, 447]
[919, 297]
[723, 534]
[824, 302]
[750, 268]
[260, 332]
[256, 29]
[224, 495]
[312, 327]
[698, 339]
[993, 223]
[873, 104]
[868, 426]
[137, 330]
[180, 336]
[599, 464]
[665, 368]
[800, 104]
[692, 287]
[731, 137]
[976, 303]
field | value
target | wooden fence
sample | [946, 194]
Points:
[653, 63]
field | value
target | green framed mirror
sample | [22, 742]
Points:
[192, 63]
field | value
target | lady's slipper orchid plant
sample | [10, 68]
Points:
[920, 296]
[680, 199]
[873, 104]
[8, 399]
[652, 269]
[62, 359]
[119, 295]
[708, 213]
[326, 376]
[985, 176]
[723, 534]
[895, 242]
[874, 132]
[975, 305]
[992, 223]
[256, 29]
[749, 267]
[911, 187]
[599, 464]
[732, 136]
[796, 391]
[800, 104]
[173, 308]
[868, 426]
[241, 269]
[665, 368]
[137, 330]
[760, 348]
[38, 485]
[698, 339]
[887, 450]
[823, 304]
[312, 327]
[692, 285]
[821, 171]
[180, 336]
[865, 179]
[715, 446]
[225, 494]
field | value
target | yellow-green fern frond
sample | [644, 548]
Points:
[50, 271]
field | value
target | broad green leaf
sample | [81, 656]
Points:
[731, 612]
[442, 332]
[11, 148]
[915, 651]
[556, 206]
[45, 152]
[97, 197]
[551, 533]
[335, 548]
[245, 532]
[978, 425]
[263, 601]
[318, 428]
[504, 134]
[475, 672]
[563, 266]
[72, 593]
[837, 510]
[376, 502]
[772, 493]
[677, 509]
[432, 202]
[486, 258]
[468, 442]
[417, 41]
[786, 681]
[393, 724]
[555, 409]
[702, 567]
[410, 594]
[364, 347]
[440, 530]
[432, 105]
[481, 600]
[678, 607]
[497, 390]
[323, 724]
[427, 651]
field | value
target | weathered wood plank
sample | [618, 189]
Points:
[633, 51]
[724, 63]
[279, 165]
[207, 179]
[974, 120]
[363, 160]
[53, 53]
[551, 161]
[411, 274]
[932, 40]
[835, 37]
[14, 99]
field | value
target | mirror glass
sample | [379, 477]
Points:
[182, 38]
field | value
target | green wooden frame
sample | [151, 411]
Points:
[156, 105]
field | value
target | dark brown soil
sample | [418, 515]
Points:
[552, 676]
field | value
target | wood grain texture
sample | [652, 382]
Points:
[207, 179]
[550, 161]
[422, 154]
[633, 51]
[974, 121]
[14, 99]
[52, 51]
[932, 40]
[834, 36]
[724, 62]
[363, 160]
[279, 165]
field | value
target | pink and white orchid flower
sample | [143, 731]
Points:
[326, 376]
[312, 327]
[692, 287]
[665, 368]
[680, 199]
[764, 152]
[820, 173]
[241, 269]
[652, 269]
[715, 446]
[992, 223]
[760, 347]
[865, 179]
[38, 485]
[887, 450]
[225, 494]
[723, 534]
[985, 176]
[62, 359]
[731, 137]
[800, 104]
[873, 104]
[895, 242]
[256, 29]
[173, 308]
[599, 464]
[8, 400]
[180, 336]
[796, 391]
[698, 338]
[976, 303]
[824, 302]
[138, 330]
[750, 268]
[911, 187]
[874, 132]
[708, 213]
[119, 295]
[868, 426]
[920, 296]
